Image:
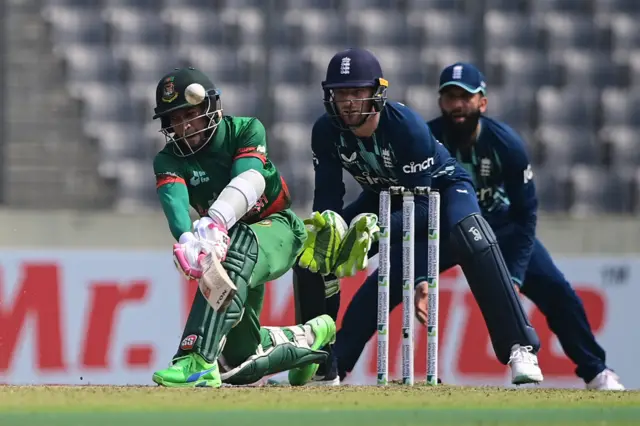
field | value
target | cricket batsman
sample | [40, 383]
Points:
[246, 235]
[381, 144]
[495, 156]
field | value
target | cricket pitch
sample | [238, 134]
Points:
[326, 406]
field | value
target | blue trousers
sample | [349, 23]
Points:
[360, 319]
[544, 284]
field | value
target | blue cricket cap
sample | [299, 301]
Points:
[463, 75]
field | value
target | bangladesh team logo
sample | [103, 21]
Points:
[169, 93]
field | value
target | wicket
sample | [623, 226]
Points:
[408, 279]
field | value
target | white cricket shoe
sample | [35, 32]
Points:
[607, 380]
[524, 366]
[324, 381]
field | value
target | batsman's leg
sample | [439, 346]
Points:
[549, 290]
[248, 351]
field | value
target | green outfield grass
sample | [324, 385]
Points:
[285, 406]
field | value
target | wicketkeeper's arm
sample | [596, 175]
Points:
[329, 187]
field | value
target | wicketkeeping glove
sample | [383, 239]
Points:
[354, 251]
[325, 232]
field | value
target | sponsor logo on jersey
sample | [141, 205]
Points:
[414, 167]
[349, 159]
[198, 177]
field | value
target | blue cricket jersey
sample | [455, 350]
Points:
[499, 165]
[402, 151]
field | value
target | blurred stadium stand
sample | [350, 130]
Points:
[82, 73]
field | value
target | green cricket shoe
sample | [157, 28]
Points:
[189, 371]
[324, 330]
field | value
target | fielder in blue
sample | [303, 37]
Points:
[381, 144]
[496, 158]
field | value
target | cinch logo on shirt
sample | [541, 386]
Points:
[418, 167]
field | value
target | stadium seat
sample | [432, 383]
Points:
[240, 100]
[89, 63]
[399, 71]
[317, 59]
[190, 26]
[517, 6]
[297, 103]
[568, 107]
[565, 30]
[513, 106]
[378, 27]
[147, 64]
[280, 5]
[444, 5]
[286, 66]
[143, 97]
[603, 7]
[572, 6]
[291, 141]
[562, 146]
[563, 73]
[386, 5]
[551, 189]
[625, 33]
[314, 27]
[133, 26]
[621, 146]
[69, 25]
[102, 103]
[517, 68]
[512, 29]
[441, 29]
[245, 26]
[137, 186]
[586, 68]
[239, 4]
[133, 4]
[75, 4]
[632, 62]
[434, 59]
[424, 100]
[620, 107]
[196, 5]
[119, 140]
[595, 190]
[227, 64]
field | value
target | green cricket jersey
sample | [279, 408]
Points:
[238, 144]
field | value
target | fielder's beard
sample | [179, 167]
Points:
[460, 133]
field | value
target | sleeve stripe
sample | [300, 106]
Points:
[162, 180]
[257, 155]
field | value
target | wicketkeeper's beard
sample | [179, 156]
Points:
[459, 132]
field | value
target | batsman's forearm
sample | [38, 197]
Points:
[174, 199]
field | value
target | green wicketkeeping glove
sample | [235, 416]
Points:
[325, 232]
[354, 251]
